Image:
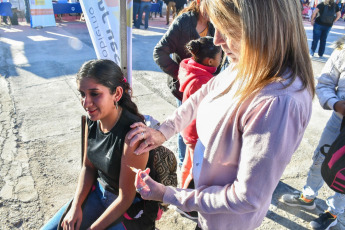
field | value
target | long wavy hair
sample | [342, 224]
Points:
[109, 74]
[273, 42]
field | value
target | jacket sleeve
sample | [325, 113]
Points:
[167, 46]
[271, 133]
[186, 113]
[328, 82]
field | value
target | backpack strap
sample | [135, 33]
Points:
[322, 149]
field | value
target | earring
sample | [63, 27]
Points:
[116, 105]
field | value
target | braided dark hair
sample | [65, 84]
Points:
[202, 48]
[109, 74]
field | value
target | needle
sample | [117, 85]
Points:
[133, 169]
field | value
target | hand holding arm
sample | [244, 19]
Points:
[150, 138]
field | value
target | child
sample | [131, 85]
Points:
[193, 73]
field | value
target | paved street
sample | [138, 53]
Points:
[40, 123]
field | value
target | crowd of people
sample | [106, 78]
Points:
[241, 122]
[173, 8]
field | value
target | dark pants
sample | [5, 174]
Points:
[180, 143]
[144, 7]
[136, 8]
[160, 2]
[320, 33]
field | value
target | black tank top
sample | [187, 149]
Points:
[105, 150]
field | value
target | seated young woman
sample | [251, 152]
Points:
[106, 197]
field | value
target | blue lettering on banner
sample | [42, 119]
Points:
[99, 37]
[109, 31]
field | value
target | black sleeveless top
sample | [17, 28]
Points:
[105, 150]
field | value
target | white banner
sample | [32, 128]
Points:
[103, 22]
[42, 13]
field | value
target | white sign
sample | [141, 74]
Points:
[42, 13]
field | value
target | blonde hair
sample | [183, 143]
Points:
[273, 41]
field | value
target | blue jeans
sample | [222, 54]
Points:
[180, 143]
[136, 7]
[160, 2]
[336, 203]
[144, 7]
[320, 33]
[96, 203]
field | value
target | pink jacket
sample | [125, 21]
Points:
[247, 148]
[192, 76]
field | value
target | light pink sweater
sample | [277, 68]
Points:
[246, 150]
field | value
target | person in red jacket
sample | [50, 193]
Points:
[193, 73]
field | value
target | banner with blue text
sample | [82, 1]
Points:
[103, 22]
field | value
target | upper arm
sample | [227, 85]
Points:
[167, 46]
[127, 176]
[86, 162]
[328, 81]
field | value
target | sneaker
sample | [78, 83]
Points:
[324, 222]
[311, 53]
[193, 215]
[297, 201]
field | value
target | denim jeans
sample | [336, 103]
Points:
[320, 33]
[97, 202]
[144, 7]
[136, 7]
[180, 143]
[160, 2]
[336, 203]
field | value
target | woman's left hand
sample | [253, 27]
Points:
[147, 187]
[149, 138]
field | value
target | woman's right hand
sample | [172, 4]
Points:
[147, 187]
[150, 138]
[73, 218]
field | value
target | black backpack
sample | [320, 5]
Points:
[333, 167]
[328, 13]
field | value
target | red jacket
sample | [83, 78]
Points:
[192, 76]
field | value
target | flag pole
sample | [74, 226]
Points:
[123, 39]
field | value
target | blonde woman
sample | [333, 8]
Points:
[250, 118]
